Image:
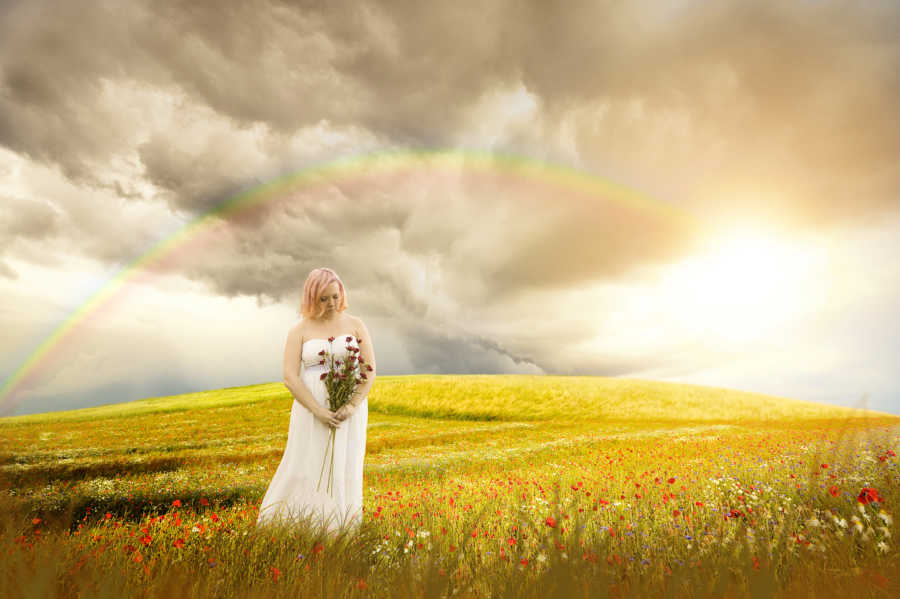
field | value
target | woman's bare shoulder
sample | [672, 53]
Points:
[354, 320]
[298, 327]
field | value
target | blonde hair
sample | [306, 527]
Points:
[316, 282]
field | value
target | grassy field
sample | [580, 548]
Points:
[475, 486]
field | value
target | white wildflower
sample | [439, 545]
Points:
[882, 546]
[884, 530]
[423, 534]
[886, 517]
[814, 522]
[542, 558]
[842, 522]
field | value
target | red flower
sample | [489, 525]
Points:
[348, 339]
[524, 562]
[176, 503]
[833, 489]
[824, 465]
[178, 544]
[36, 521]
[204, 502]
[868, 495]
[146, 539]
[322, 376]
[735, 513]
[275, 573]
[511, 541]
[321, 353]
[369, 368]
[698, 503]
[358, 340]
[330, 339]
[671, 480]
[550, 521]
[676, 513]
[322, 362]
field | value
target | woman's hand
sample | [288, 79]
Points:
[345, 411]
[327, 417]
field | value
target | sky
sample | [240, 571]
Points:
[707, 193]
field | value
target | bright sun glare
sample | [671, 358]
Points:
[745, 283]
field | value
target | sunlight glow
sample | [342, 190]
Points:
[746, 283]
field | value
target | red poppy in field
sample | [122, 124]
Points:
[550, 521]
[698, 503]
[362, 584]
[735, 513]
[36, 521]
[671, 480]
[146, 539]
[318, 548]
[868, 495]
[204, 502]
[330, 339]
[275, 573]
[108, 516]
[524, 562]
[676, 513]
[511, 541]
[178, 544]
[176, 503]
[834, 490]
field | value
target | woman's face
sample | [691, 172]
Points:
[329, 299]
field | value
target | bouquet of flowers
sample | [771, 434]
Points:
[341, 380]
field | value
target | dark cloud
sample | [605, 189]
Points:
[793, 105]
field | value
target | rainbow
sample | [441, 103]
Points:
[394, 163]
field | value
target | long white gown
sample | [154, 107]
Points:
[292, 493]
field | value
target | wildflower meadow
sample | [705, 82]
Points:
[475, 486]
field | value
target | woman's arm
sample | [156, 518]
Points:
[291, 371]
[367, 354]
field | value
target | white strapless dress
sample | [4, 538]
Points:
[292, 493]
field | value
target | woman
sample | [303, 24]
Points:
[296, 492]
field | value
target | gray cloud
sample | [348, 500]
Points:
[30, 219]
[792, 105]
